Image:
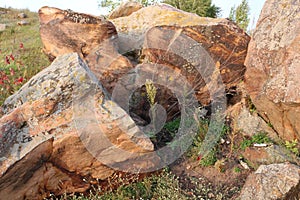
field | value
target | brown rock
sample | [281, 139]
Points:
[268, 155]
[65, 31]
[272, 77]
[60, 132]
[276, 181]
[171, 37]
[93, 38]
[125, 9]
[183, 42]
[107, 64]
[33, 177]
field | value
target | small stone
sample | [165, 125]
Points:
[244, 164]
[211, 195]
[22, 15]
[23, 23]
[222, 141]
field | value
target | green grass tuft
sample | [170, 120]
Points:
[258, 138]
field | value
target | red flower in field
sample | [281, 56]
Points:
[1, 81]
[12, 71]
[4, 77]
[21, 45]
[19, 80]
[199, 157]
[12, 57]
[7, 60]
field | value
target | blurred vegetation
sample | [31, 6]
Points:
[21, 55]
[203, 8]
[240, 14]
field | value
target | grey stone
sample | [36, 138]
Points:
[23, 23]
[251, 124]
[22, 15]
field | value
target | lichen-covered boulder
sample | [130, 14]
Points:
[61, 133]
[273, 60]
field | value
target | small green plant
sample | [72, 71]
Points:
[209, 160]
[237, 170]
[292, 146]
[246, 143]
[172, 126]
[270, 125]
[259, 138]
[197, 142]
[210, 157]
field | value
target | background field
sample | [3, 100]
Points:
[21, 54]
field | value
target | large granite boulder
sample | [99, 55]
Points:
[275, 181]
[273, 60]
[61, 132]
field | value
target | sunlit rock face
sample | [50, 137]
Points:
[273, 60]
